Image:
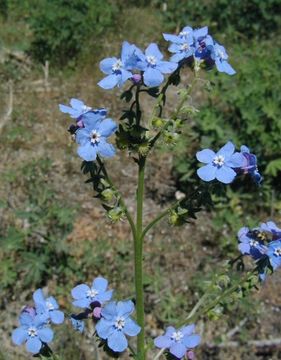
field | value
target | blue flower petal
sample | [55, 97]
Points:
[131, 328]
[80, 291]
[125, 308]
[245, 149]
[127, 53]
[166, 67]
[105, 328]
[244, 248]
[170, 330]
[104, 296]
[107, 127]
[38, 297]
[205, 156]
[100, 283]
[92, 119]
[45, 335]
[68, 110]
[202, 32]
[117, 341]
[25, 319]
[171, 37]
[153, 50]
[227, 150]
[57, 316]
[163, 342]
[191, 341]
[109, 81]
[109, 311]
[225, 67]
[187, 330]
[125, 75]
[225, 174]
[178, 350]
[78, 325]
[33, 345]
[236, 160]
[207, 172]
[77, 104]
[178, 57]
[105, 149]
[82, 136]
[82, 303]
[152, 77]
[19, 336]
[106, 65]
[87, 152]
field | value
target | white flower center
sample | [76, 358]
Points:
[92, 293]
[86, 108]
[119, 323]
[218, 160]
[253, 243]
[32, 332]
[151, 60]
[277, 251]
[95, 138]
[117, 66]
[184, 47]
[177, 336]
[49, 305]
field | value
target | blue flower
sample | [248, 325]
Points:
[93, 137]
[153, 66]
[84, 295]
[219, 165]
[274, 253]
[116, 323]
[272, 228]
[47, 308]
[250, 244]
[182, 45]
[220, 57]
[250, 164]
[76, 110]
[33, 332]
[118, 70]
[179, 342]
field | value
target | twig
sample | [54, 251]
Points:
[9, 110]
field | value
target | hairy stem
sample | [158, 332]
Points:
[138, 243]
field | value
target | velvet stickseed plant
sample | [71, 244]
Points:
[116, 326]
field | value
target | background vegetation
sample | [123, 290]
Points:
[52, 232]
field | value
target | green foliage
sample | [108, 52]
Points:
[245, 18]
[34, 247]
[62, 28]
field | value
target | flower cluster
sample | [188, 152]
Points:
[263, 244]
[113, 321]
[91, 130]
[226, 164]
[180, 343]
[149, 68]
[34, 322]
[198, 44]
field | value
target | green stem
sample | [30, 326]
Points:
[158, 218]
[138, 243]
[122, 202]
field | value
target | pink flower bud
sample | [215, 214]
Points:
[136, 79]
[97, 312]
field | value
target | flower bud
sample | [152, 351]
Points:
[157, 122]
[107, 195]
[136, 79]
[115, 214]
